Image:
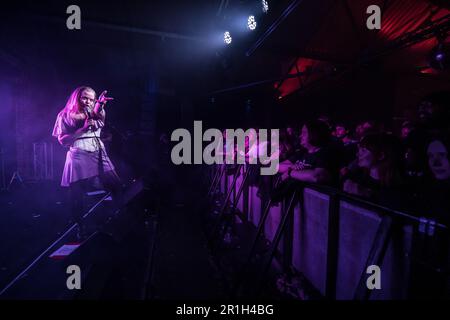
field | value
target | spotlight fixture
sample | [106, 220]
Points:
[265, 6]
[440, 57]
[227, 37]
[251, 23]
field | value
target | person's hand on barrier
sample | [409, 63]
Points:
[299, 165]
[350, 187]
[344, 171]
[355, 189]
[285, 176]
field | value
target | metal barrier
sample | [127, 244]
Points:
[331, 238]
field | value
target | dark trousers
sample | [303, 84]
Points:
[110, 182]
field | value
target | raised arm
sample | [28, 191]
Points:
[317, 175]
[99, 112]
[285, 166]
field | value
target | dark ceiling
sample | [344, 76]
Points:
[176, 37]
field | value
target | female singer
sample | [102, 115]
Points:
[78, 127]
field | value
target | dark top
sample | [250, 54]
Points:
[396, 196]
[435, 201]
[349, 153]
[319, 159]
[324, 158]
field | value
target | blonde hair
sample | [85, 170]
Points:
[73, 103]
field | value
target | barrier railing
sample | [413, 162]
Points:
[333, 239]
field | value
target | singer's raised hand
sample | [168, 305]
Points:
[102, 99]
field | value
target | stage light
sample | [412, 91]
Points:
[251, 23]
[440, 57]
[265, 6]
[227, 37]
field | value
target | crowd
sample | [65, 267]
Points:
[406, 169]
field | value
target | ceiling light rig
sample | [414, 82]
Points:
[265, 6]
[227, 38]
[251, 22]
[440, 55]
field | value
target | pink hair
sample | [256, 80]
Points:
[73, 103]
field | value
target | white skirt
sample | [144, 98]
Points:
[82, 164]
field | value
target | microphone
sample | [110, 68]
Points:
[88, 117]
